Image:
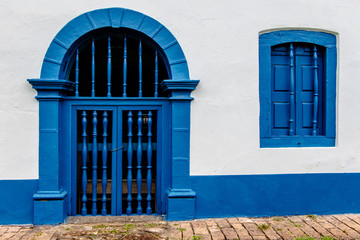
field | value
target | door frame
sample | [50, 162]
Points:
[52, 201]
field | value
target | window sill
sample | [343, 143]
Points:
[297, 141]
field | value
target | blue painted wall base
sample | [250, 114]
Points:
[216, 196]
[180, 204]
[50, 207]
[274, 195]
[49, 211]
[16, 202]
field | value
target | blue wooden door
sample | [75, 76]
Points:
[116, 160]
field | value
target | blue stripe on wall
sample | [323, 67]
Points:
[270, 195]
[226, 196]
[16, 201]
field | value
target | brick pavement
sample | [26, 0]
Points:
[345, 226]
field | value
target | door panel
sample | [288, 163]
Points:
[127, 139]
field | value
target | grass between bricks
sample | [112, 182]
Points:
[263, 226]
[311, 238]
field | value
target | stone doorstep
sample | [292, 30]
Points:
[112, 219]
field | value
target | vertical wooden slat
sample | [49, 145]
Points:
[124, 68]
[149, 156]
[292, 91]
[139, 156]
[129, 167]
[84, 168]
[140, 69]
[94, 161]
[115, 174]
[77, 73]
[109, 68]
[104, 161]
[156, 75]
[93, 68]
[316, 91]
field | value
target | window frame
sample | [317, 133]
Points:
[268, 40]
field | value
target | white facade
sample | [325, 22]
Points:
[220, 42]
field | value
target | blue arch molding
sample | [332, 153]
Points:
[266, 41]
[285, 36]
[113, 18]
[52, 199]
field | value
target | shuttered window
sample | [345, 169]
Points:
[297, 89]
[305, 67]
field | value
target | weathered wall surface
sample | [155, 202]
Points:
[220, 42]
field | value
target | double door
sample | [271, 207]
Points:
[116, 154]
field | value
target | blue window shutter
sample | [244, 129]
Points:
[305, 91]
[280, 91]
[274, 81]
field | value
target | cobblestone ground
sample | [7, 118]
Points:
[346, 226]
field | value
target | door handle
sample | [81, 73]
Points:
[116, 149]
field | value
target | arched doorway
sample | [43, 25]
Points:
[116, 144]
[113, 112]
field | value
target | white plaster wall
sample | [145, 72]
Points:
[220, 41]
